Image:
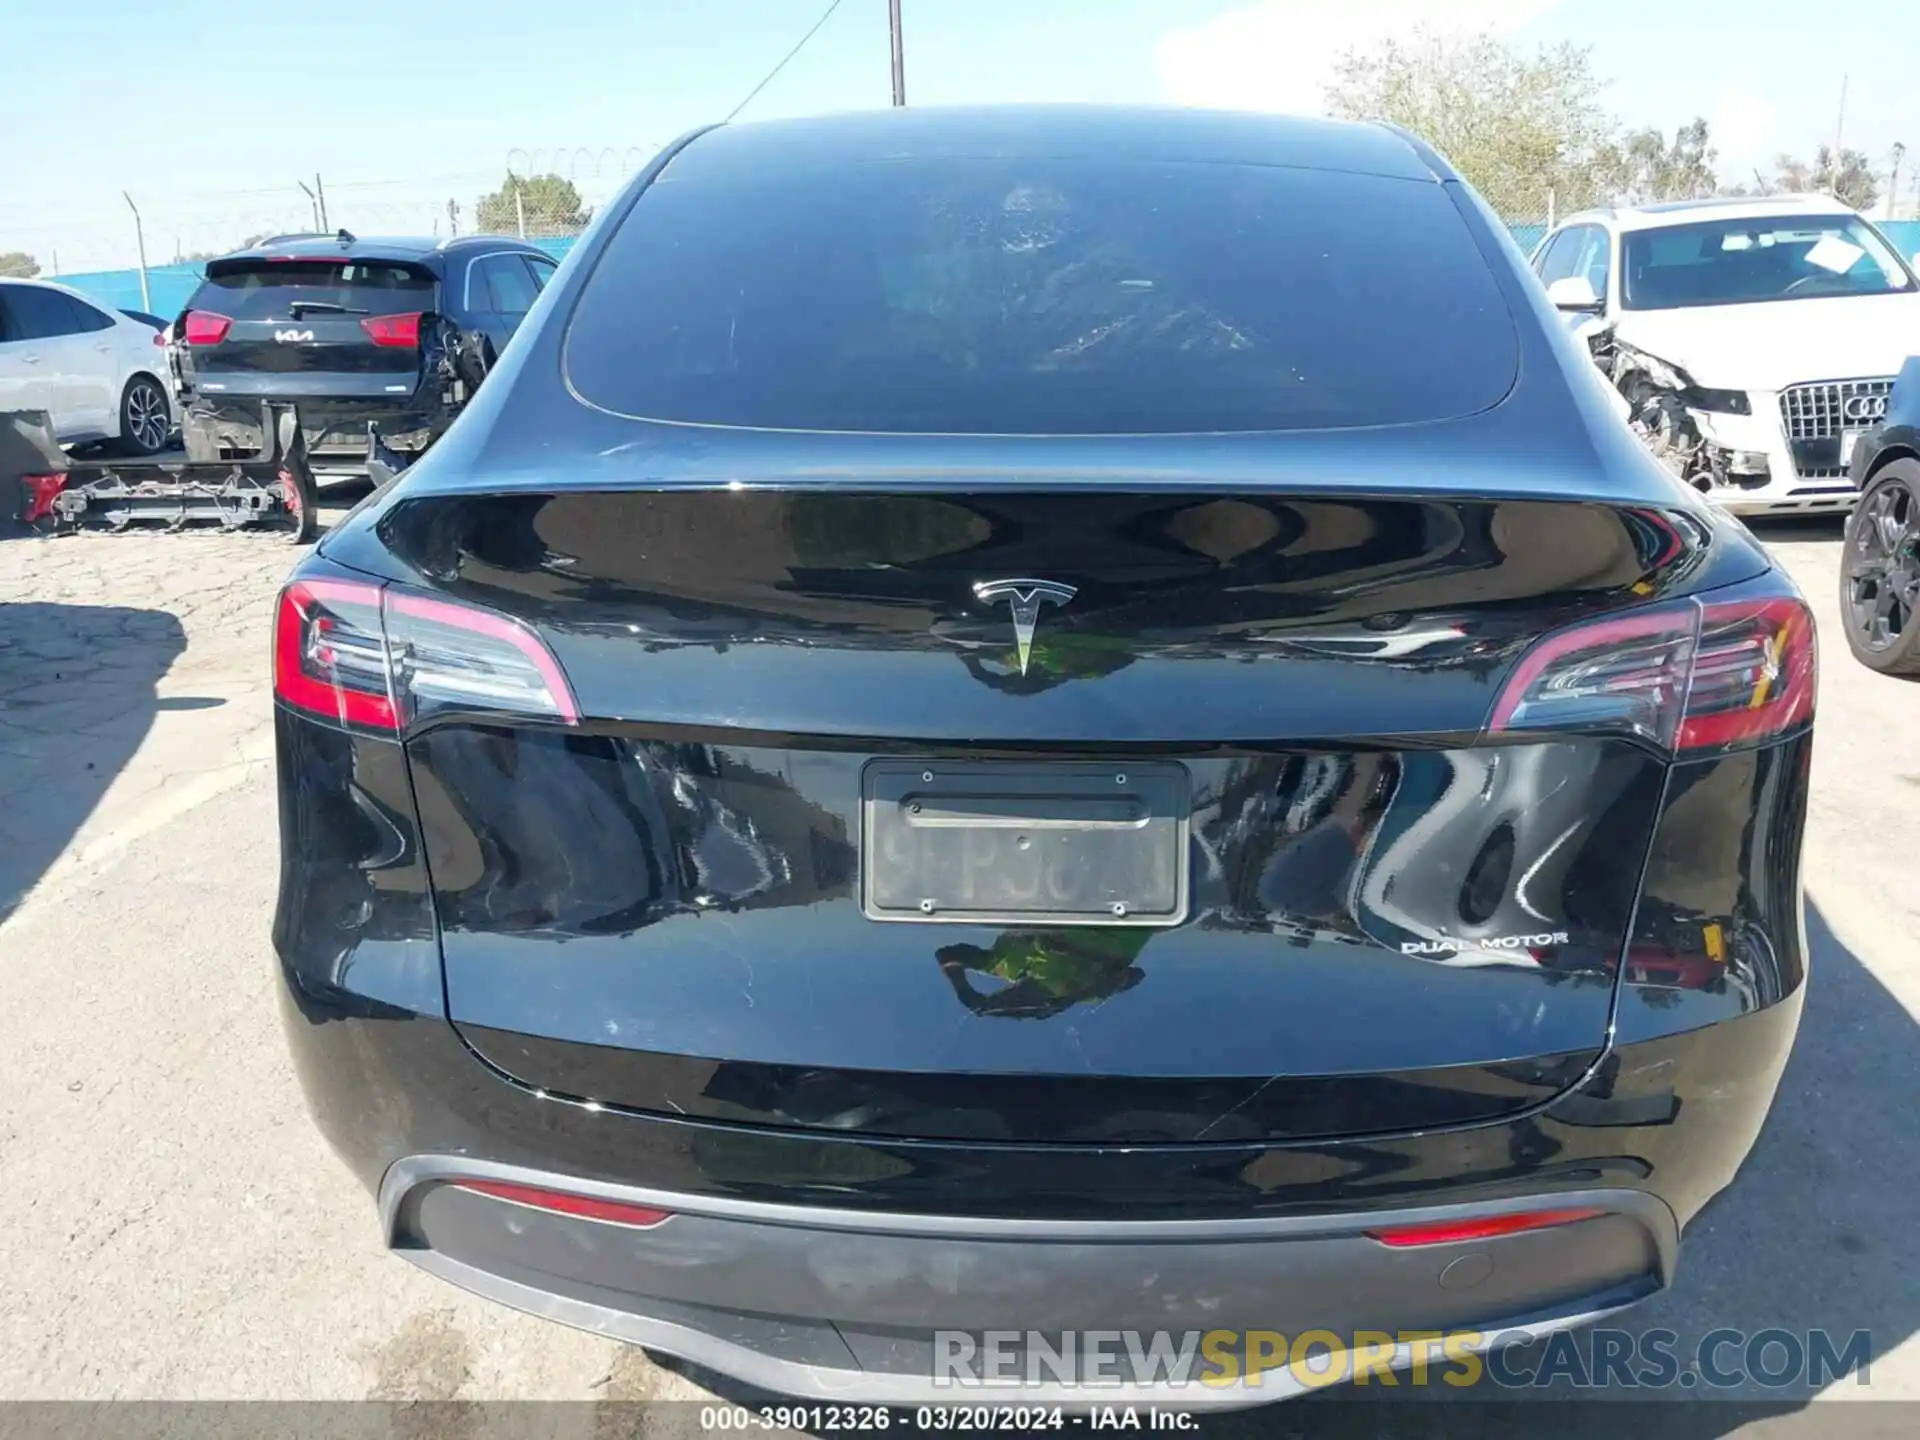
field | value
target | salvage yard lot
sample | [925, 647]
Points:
[176, 1228]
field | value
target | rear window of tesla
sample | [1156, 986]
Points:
[262, 289]
[1041, 296]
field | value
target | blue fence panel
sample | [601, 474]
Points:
[1905, 235]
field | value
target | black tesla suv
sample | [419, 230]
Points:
[1042, 722]
[392, 333]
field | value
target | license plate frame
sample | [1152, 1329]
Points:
[1099, 835]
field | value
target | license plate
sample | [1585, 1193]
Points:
[1847, 439]
[1027, 843]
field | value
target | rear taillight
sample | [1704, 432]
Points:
[455, 657]
[160, 338]
[203, 327]
[329, 654]
[381, 659]
[1755, 669]
[399, 331]
[40, 492]
[1694, 675]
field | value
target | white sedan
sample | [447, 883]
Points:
[101, 374]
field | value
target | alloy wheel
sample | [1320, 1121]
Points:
[1883, 565]
[148, 416]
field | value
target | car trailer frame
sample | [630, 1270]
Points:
[273, 490]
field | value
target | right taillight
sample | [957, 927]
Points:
[375, 658]
[203, 327]
[397, 331]
[1694, 675]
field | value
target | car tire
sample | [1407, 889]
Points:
[146, 417]
[1880, 572]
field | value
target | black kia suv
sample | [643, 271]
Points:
[390, 333]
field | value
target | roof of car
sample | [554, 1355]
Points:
[1136, 132]
[1720, 207]
[341, 245]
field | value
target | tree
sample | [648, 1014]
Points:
[1520, 127]
[18, 265]
[1845, 174]
[551, 206]
[1644, 168]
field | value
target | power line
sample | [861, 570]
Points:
[826, 16]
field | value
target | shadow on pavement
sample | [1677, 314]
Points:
[76, 699]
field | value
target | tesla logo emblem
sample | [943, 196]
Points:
[286, 335]
[1864, 408]
[1026, 598]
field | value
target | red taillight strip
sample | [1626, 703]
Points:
[484, 622]
[294, 685]
[1448, 1232]
[559, 1202]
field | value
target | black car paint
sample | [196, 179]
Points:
[1671, 1107]
[1897, 436]
[223, 414]
[1672, 1041]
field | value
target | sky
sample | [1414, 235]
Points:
[208, 112]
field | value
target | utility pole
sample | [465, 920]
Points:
[1893, 178]
[899, 53]
[1840, 121]
[313, 203]
[320, 199]
[140, 238]
[520, 208]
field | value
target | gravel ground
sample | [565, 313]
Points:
[174, 1227]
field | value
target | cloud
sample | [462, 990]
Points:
[1746, 131]
[1280, 54]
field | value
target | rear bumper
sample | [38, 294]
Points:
[336, 429]
[822, 1265]
[899, 1309]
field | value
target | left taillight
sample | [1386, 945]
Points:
[330, 653]
[204, 327]
[377, 658]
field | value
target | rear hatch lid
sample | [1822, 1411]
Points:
[1211, 845]
[327, 327]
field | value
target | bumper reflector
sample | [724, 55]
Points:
[584, 1207]
[1448, 1232]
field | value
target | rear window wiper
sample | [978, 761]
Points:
[294, 309]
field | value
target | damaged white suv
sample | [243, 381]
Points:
[1753, 339]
